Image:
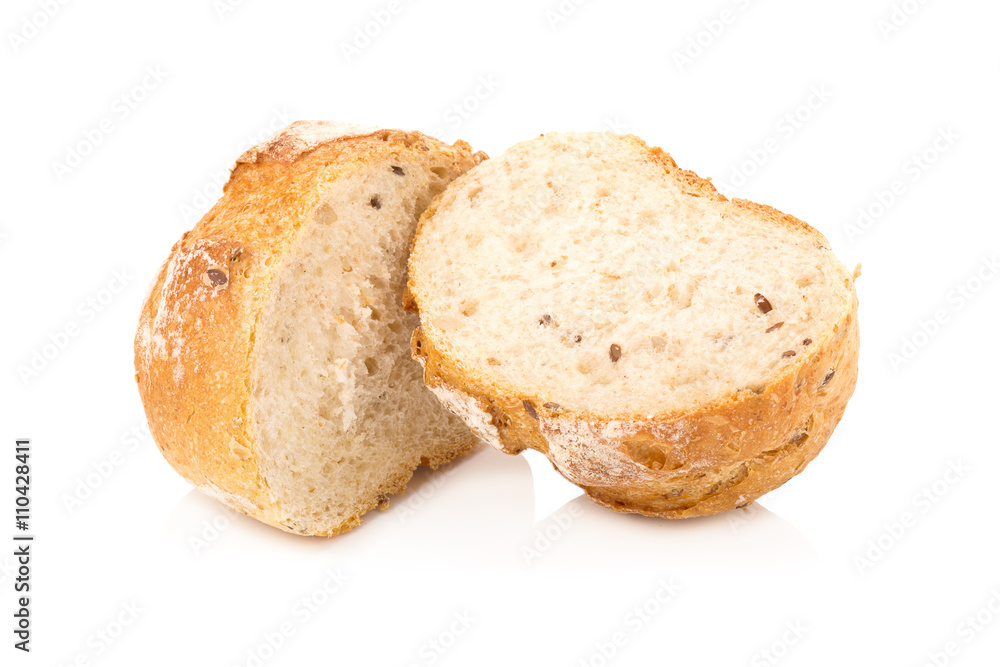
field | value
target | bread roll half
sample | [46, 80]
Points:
[272, 353]
[672, 352]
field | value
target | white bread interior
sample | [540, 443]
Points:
[340, 406]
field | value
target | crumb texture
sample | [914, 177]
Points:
[579, 273]
[342, 411]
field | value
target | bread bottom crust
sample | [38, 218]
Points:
[719, 457]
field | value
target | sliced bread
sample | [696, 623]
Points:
[272, 353]
[672, 352]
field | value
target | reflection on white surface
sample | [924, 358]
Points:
[584, 534]
[461, 513]
[552, 490]
[480, 511]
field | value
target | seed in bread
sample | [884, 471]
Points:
[713, 343]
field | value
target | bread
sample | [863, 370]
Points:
[272, 353]
[672, 352]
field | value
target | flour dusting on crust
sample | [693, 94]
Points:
[588, 452]
[468, 408]
[302, 136]
[161, 336]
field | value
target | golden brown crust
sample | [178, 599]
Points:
[690, 182]
[196, 333]
[752, 444]
[721, 456]
[724, 455]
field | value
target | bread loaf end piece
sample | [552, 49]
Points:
[272, 350]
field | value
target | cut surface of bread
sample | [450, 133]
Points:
[673, 352]
[273, 350]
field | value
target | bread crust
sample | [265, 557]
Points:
[194, 344]
[719, 456]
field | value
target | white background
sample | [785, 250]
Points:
[876, 554]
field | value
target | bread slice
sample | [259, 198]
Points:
[672, 352]
[272, 353]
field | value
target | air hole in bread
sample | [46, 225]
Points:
[327, 406]
[468, 307]
[680, 295]
[326, 215]
[647, 451]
